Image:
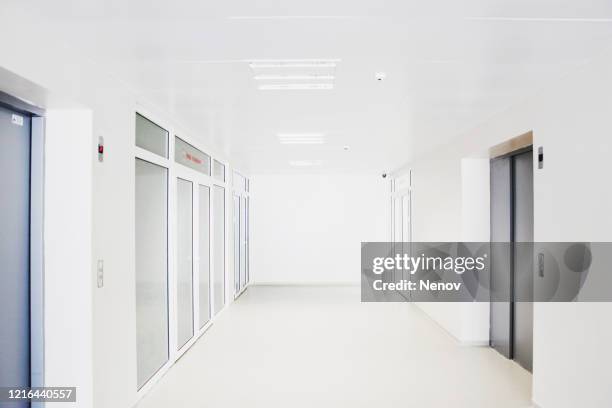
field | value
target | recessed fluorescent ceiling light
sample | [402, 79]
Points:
[294, 87]
[292, 17]
[294, 64]
[301, 138]
[305, 163]
[294, 77]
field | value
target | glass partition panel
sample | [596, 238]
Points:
[242, 242]
[204, 253]
[151, 229]
[219, 247]
[184, 254]
[189, 156]
[248, 239]
[151, 137]
[236, 217]
[218, 170]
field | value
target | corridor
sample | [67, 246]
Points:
[213, 204]
[315, 346]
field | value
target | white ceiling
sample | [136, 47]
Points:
[450, 65]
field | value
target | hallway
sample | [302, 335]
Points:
[316, 346]
[200, 197]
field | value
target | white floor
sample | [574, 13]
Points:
[320, 347]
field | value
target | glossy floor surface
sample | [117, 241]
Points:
[320, 347]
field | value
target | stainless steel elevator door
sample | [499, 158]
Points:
[523, 259]
[15, 145]
[511, 329]
[501, 262]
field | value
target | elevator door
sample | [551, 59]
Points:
[511, 330]
[501, 266]
[523, 259]
[14, 251]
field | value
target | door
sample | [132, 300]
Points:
[243, 242]
[151, 229]
[184, 262]
[501, 267]
[204, 254]
[523, 259]
[15, 133]
[218, 242]
[248, 239]
[511, 329]
[236, 218]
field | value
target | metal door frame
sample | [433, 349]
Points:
[37, 194]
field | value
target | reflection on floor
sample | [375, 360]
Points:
[320, 347]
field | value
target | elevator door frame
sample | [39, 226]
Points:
[36, 230]
[512, 206]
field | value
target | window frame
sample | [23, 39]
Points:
[175, 171]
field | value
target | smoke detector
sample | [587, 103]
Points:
[380, 76]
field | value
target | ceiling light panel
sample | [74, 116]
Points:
[331, 63]
[295, 87]
[294, 74]
[313, 77]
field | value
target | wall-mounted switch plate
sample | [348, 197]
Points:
[100, 274]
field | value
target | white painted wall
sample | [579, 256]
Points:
[67, 255]
[100, 357]
[572, 358]
[308, 228]
[475, 228]
[451, 203]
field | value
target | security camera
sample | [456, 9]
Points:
[384, 175]
[380, 76]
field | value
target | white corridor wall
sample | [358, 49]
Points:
[307, 229]
[572, 201]
[89, 207]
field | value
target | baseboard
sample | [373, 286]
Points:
[472, 343]
[458, 340]
[293, 283]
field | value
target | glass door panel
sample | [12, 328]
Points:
[204, 255]
[219, 248]
[236, 218]
[151, 233]
[184, 272]
[248, 242]
[242, 242]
